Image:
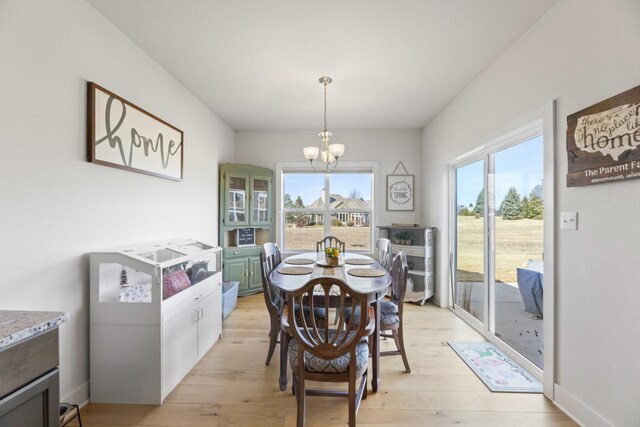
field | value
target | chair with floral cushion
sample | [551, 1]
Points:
[337, 353]
[330, 242]
[391, 311]
[270, 257]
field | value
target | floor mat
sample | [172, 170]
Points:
[496, 370]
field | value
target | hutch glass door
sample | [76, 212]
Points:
[260, 200]
[236, 199]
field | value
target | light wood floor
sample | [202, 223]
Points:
[231, 386]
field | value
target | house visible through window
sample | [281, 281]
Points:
[345, 198]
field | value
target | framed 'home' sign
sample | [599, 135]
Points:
[603, 141]
[123, 135]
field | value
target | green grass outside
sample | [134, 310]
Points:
[517, 241]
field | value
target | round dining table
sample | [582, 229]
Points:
[374, 287]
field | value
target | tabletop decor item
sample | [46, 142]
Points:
[400, 190]
[296, 271]
[332, 256]
[299, 261]
[367, 272]
[603, 141]
[124, 136]
[360, 261]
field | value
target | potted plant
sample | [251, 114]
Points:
[398, 237]
[332, 256]
[403, 238]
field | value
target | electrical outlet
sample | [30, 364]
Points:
[569, 220]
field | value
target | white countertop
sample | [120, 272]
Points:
[16, 326]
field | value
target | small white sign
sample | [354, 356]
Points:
[400, 192]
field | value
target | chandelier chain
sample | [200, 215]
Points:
[325, 106]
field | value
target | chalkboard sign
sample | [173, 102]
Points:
[246, 236]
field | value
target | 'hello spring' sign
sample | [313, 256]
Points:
[400, 191]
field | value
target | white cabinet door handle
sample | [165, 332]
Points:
[197, 311]
[201, 310]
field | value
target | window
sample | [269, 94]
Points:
[318, 204]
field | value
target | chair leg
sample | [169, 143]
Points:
[272, 346]
[352, 398]
[398, 336]
[273, 334]
[364, 392]
[300, 399]
[284, 351]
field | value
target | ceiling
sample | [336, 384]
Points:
[256, 63]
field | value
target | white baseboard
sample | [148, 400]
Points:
[577, 410]
[79, 396]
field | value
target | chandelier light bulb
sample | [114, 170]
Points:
[336, 150]
[311, 153]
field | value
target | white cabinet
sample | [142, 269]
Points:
[418, 244]
[209, 324]
[155, 310]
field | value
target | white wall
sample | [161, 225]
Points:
[387, 147]
[56, 207]
[580, 52]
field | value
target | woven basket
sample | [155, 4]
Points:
[332, 260]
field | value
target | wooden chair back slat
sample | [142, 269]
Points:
[321, 342]
[384, 253]
[399, 275]
[330, 242]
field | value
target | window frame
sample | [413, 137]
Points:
[283, 168]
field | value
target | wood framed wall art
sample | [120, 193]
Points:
[400, 190]
[603, 141]
[123, 135]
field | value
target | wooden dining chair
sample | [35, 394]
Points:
[339, 353]
[384, 252]
[330, 242]
[391, 311]
[270, 257]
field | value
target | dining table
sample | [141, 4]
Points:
[374, 287]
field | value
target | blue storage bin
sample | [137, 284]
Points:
[229, 297]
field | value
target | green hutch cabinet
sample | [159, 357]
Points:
[246, 222]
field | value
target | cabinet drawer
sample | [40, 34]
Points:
[28, 360]
[35, 404]
[409, 250]
[241, 252]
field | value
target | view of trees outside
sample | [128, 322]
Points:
[518, 213]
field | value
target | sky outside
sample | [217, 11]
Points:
[519, 166]
[309, 186]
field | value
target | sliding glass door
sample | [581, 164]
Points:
[497, 253]
[518, 237]
[470, 280]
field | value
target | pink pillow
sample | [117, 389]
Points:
[173, 283]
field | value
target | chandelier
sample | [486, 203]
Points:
[328, 153]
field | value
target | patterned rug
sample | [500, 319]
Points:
[496, 370]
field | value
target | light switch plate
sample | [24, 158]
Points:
[569, 220]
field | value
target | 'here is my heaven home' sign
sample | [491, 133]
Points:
[603, 141]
